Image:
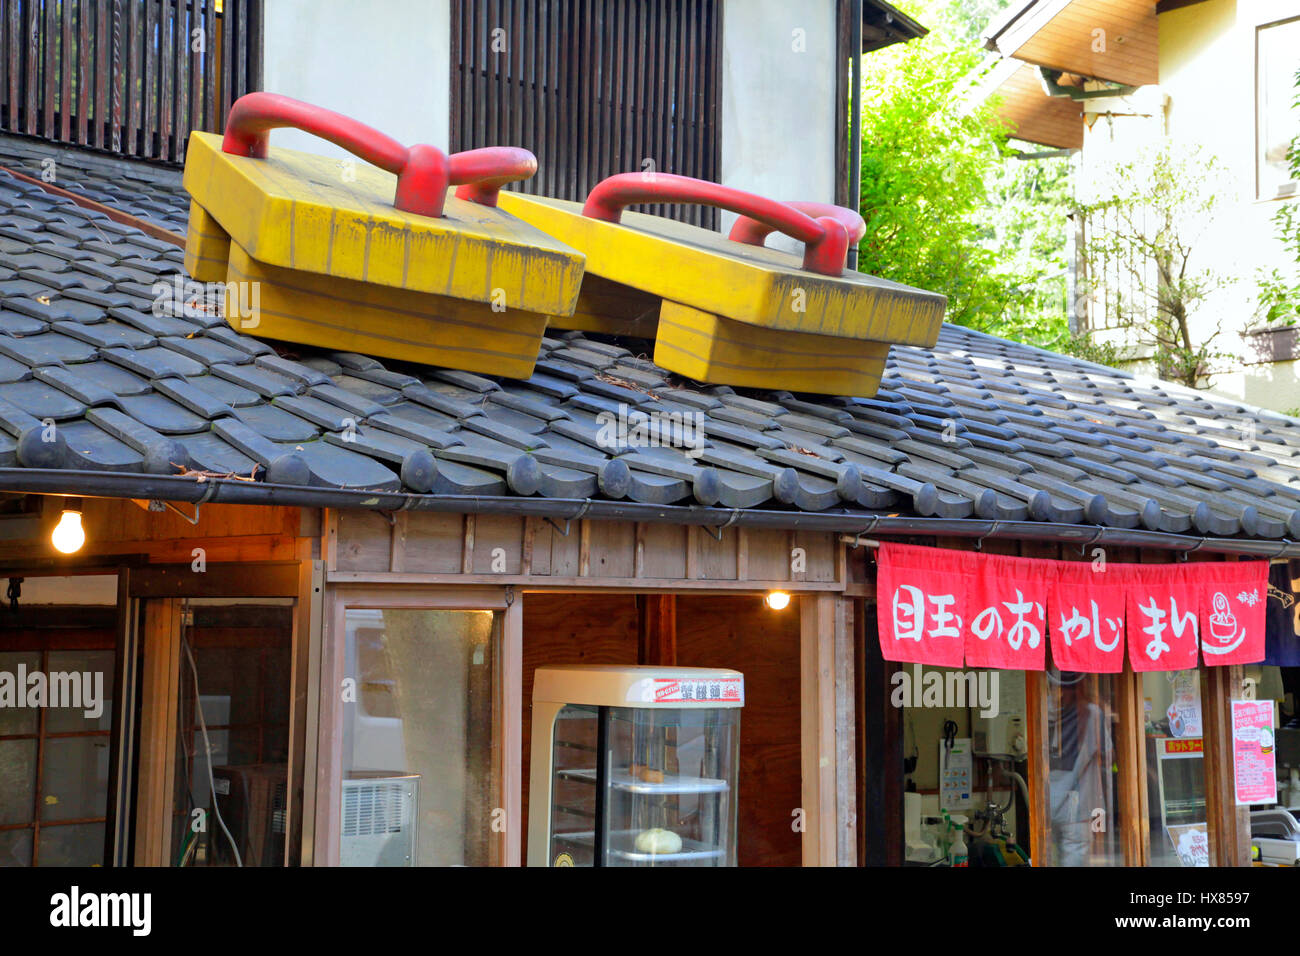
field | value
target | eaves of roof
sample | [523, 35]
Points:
[1004, 21]
[883, 25]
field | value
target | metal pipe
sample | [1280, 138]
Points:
[1084, 536]
[1020, 783]
[852, 524]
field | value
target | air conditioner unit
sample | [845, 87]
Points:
[378, 825]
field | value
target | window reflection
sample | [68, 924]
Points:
[1175, 769]
[1083, 776]
[418, 783]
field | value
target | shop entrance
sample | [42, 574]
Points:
[1057, 768]
[212, 747]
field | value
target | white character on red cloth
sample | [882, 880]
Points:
[1223, 628]
[1156, 629]
[1023, 631]
[909, 615]
[988, 623]
[1079, 628]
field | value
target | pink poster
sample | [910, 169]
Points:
[1254, 761]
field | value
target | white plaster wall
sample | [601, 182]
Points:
[778, 99]
[384, 62]
[778, 83]
[1207, 67]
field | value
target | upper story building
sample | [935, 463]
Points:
[1210, 77]
[749, 93]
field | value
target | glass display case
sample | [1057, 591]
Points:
[634, 766]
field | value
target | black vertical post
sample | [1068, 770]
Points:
[602, 782]
[855, 126]
[881, 819]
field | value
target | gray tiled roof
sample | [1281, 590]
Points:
[146, 190]
[974, 427]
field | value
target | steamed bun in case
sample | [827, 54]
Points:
[657, 840]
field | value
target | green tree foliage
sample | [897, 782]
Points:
[1279, 290]
[1026, 220]
[945, 208]
[1145, 222]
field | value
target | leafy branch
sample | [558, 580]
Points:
[1144, 224]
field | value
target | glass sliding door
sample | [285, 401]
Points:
[418, 778]
[230, 784]
[1173, 737]
[1083, 806]
[420, 762]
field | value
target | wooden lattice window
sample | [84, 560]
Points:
[593, 88]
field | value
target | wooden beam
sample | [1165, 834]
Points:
[880, 749]
[117, 849]
[817, 620]
[1130, 754]
[510, 714]
[578, 583]
[278, 579]
[234, 548]
[329, 542]
[842, 109]
[656, 626]
[397, 543]
[467, 547]
[1143, 787]
[1038, 766]
[1229, 825]
[1040, 790]
[846, 782]
[304, 696]
[160, 681]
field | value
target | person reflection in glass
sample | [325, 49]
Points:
[1081, 759]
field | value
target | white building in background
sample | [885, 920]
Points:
[1213, 74]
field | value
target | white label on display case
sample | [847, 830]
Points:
[688, 690]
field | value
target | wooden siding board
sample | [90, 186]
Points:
[363, 541]
[123, 75]
[612, 549]
[1064, 40]
[716, 557]
[498, 544]
[606, 553]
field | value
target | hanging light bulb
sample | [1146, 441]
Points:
[68, 535]
[777, 600]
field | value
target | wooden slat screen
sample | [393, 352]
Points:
[593, 88]
[129, 76]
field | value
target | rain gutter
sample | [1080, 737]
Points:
[854, 525]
